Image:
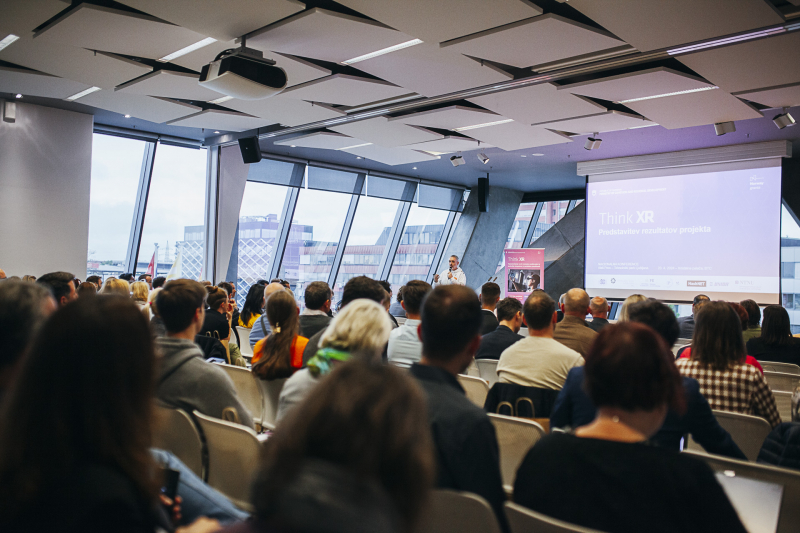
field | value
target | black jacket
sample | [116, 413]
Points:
[493, 344]
[313, 324]
[490, 322]
[598, 323]
[788, 353]
[782, 446]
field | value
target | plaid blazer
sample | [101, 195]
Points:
[739, 389]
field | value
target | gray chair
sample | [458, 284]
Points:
[748, 432]
[783, 400]
[247, 390]
[524, 520]
[244, 338]
[515, 437]
[786, 368]
[452, 511]
[176, 432]
[270, 392]
[488, 370]
[782, 381]
[472, 369]
[233, 452]
[477, 389]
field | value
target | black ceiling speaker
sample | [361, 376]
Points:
[251, 151]
[483, 194]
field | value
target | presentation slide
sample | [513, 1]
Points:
[672, 237]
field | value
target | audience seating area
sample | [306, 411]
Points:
[515, 437]
[782, 381]
[748, 432]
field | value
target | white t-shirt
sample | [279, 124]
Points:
[537, 362]
[459, 278]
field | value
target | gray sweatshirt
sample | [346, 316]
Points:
[189, 382]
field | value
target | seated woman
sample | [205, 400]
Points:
[606, 476]
[139, 293]
[354, 457]
[717, 362]
[776, 343]
[629, 301]
[361, 329]
[253, 304]
[280, 354]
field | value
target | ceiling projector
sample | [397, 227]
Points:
[243, 73]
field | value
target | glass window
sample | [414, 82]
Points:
[116, 168]
[516, 235]
[790, 257]
[313, 239]
[551, 213]
[418, 244]
[367, 242]
[175, 211]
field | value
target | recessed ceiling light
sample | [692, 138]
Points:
[383, 51]
[127, 116]
[221, 100]
[359, 157]
[216, 132]
[523, 155]
[10, 38]
[354, 146]
[537, 155]
[190, 48]
[484, 125]
[81, 94]
[415, 168]
[18, 96]
[701, 89]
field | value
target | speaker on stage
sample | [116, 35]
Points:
[483, 195]
[251, 151]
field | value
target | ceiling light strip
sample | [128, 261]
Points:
[395, 48]
[221, 100]
[191, 48]
[688, 91]
[355, 146]
[9, 39]
[485, 125]
[81, 94]
[727, 40]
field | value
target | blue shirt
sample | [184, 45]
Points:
[257, 333]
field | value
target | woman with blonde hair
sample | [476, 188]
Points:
[140, 293]
[116, 286]
[629, 301]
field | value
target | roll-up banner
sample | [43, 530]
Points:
[524, 271]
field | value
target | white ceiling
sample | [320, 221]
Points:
[286, 111]
[143, 107]
[169, 84]
[449, 144]
[33, 83]
[213, 119]
[321, 139]
[599, 122]
[516, 136]
[694, 109]
[386, 133]
[650, 82]
[344, 89]
[449, 118]
[780, 96]
[391, 156]
[21, 16]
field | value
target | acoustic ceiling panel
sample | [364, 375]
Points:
[750, 65]
[122, 32]
[448, 144]
[327, 35]
[780, 96]
[383, 132]
[214, 119]
[171, 85]
[391, 156]
[143, 107]
[694, 109]
[600, 122]
[430, 71]
[534, 41]
[516, 136]
[322, 139]
[286, 111]
[32, 83]
[442, 20]
[343, 89]
[20, 17]
[449, 118]
[650, 82]
[653, 24]
[537, 103]
[221, 19]
[93, 69]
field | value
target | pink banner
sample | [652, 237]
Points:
[524, 271]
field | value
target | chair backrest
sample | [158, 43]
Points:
[247, 390]
[176, 432]
[452, 511]
[472, 369]
[782, 381]
[244, 338]
[233, 452]
[488, 370]
[270, 392]
[476, 389]
[515, 437]
[748, 432]
[786, 368]
[783, 400]
[524, 520]
[518, 400]
[789, 479]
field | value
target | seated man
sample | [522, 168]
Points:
[572, 331]
[490, 295]
[538, 361]
[387, 303]
[261, 327]
[404, 343]
[61, 285]
[187, 381]
[686, 323]
[396, 309]
[599, 309]
[509, 313]
[464, 437]
[315, 317]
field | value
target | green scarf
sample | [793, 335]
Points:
[321, 363]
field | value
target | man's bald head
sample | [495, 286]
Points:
[599, 307]
[576, 302]
[270, 289]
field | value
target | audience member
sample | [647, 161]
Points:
[355, 288]
[253, 306]
[285, 284]
[686, 323]
[573, 331]
[23, 307]
[97, 280]
[90, 375]
[404, 343]
[599, 309]
[509, 313]
[464, 437]
[775, 342]
[87, 289]
[573, 407]
[387, 303]
[717, 362]
[128, 276]
[116, 286]
[159, 282]
[538, 360]
[559, 307]
[605, 476]
[230, 290]
[140, 291]
[359, 331]
[622, 315]
[60, 284]
[753, 328]
[490, 295]
[314, 317]
[782, 446]
[354, 457]
[147, 278]
[185, 380]
[12, 278]
[2, 274]
[217, 322]
[396, 309]
[280, 354]
[31, 278]
[261, 328]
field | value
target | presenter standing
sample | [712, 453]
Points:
[451, 276]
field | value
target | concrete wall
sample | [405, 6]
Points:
[564, 252]
[45, 177]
